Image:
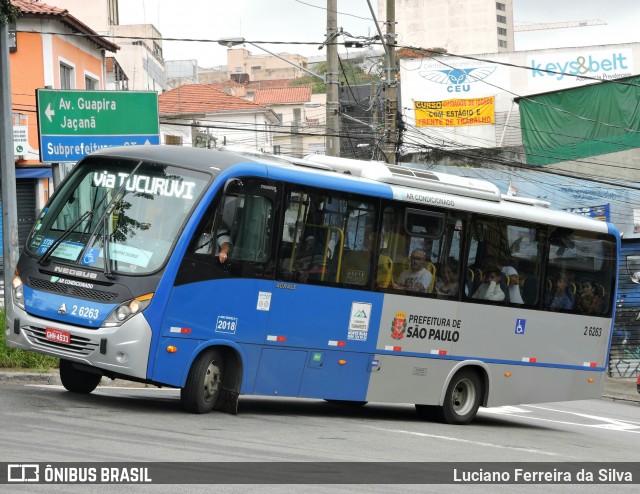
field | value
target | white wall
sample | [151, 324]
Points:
[245, 136]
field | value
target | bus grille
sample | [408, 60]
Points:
[74, 291]
[78, 345]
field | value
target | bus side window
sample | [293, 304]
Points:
[239, 223]
[326, 238]
[581, 258]
[414, 241]
[508, 254]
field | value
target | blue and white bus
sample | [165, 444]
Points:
[225, 273]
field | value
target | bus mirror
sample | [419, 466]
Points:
[635, 277]
[233, 186]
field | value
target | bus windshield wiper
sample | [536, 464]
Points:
[105, 246]
[103, 220]
[47, 253]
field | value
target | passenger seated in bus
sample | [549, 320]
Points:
[447, 282]
[490, 289]
[588, 302]
[417, 278]
[559, 297]
[513, 284]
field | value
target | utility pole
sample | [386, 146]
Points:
[391, 84]
[391, 101]
[333, 104]
[8, 172]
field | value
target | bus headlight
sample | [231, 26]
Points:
[127, 310]
[17, 292]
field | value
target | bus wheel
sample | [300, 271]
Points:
[463, 397]
[202, 390]
[76, 380]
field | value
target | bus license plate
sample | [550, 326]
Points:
[58, 335]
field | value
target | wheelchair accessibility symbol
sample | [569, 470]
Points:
[520, 325]
[91, 256]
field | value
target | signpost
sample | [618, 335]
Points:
[73, 124]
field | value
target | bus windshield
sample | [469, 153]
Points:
[105, 212]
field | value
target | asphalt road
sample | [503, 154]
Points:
[44, 423]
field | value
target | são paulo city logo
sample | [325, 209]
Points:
[425, 327]
[398, 326]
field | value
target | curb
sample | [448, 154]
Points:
[28, 378]
[621, 389]
[53, 378]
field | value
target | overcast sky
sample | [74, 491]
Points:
[305, 21]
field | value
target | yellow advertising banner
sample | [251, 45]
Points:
[455, 112]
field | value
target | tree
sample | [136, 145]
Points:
[407, 52]
[350, 73]
[8, 13]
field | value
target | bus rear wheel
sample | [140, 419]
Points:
[77, 380]
[202, 389]
[462, 399]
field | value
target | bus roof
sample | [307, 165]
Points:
[400, 180]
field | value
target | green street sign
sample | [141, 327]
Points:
[73, 124]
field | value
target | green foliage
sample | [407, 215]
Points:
[348, 73]
[12, 358]
[8, 13]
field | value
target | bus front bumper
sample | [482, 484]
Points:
[122, 350]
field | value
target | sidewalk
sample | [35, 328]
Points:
[615, 389]
[621, 389]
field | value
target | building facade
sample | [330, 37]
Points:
[199, 115]
[301, 116]
[44, 55]
[461, 26]
[140, 57]
[438, 94]
[243, 66]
